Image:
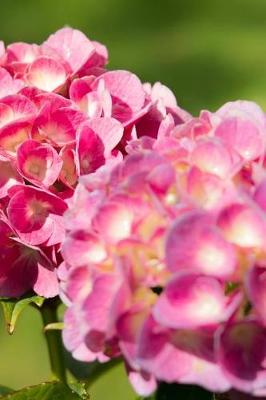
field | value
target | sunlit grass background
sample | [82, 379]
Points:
[207, 51]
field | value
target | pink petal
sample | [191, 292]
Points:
[191, 301]
[8, 177]
[73, 46]
[109, 131]
[8, 85]
[21, 106]
[6, 114]
[74, 338]
[78, 284]
[46, 74]
[58, 127]
[68, 174]
[143, 383]
[163, 93]
[195, 243]
[81, 248]
[80, 87]
[242, 136]
[46, 283]
[256, 286]
[127, 93]
[211, 156]
[243, 225]
[113, 221]
[90, 150]
[158, 356]
[241, 353]
[36, 215]
[22, 52]
[98, 306]
[13, 135]
[38, 163]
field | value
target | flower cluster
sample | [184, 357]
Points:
[62, 115]
[165, 253]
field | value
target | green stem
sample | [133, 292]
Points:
[54, 341]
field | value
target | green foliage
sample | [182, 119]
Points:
[46, 391]
[54, 326]
[5, 390]
[13, 307]
[81, 389]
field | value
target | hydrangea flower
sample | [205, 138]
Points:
[62, 115]
[165, 252]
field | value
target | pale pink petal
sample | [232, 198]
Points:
[191, 301]
[73, 46]
[126, 91]
[113, 221]
[143, 383]
[8, 85]
[82, 248]
[195, 243]
[46, 283]
[243, 225]
[46, 74]
[109, 131]
[211, 156]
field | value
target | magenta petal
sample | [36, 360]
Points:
[256, 286]
[90, 150]
[14, 134]
[242, 353]
[58, 127]
[24, 268]
[36, 215]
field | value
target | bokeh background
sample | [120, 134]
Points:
[207, 51]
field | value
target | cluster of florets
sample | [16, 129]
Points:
[62, 115]
[165, 255]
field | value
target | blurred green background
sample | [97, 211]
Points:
[207, 51]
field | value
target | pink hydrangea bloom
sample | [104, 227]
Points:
[165, 252]
[62, 115]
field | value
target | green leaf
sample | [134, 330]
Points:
[45, 391]
[5, 390]
[54, 326]
[184, 392]
[12, 307]
[81, 388]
